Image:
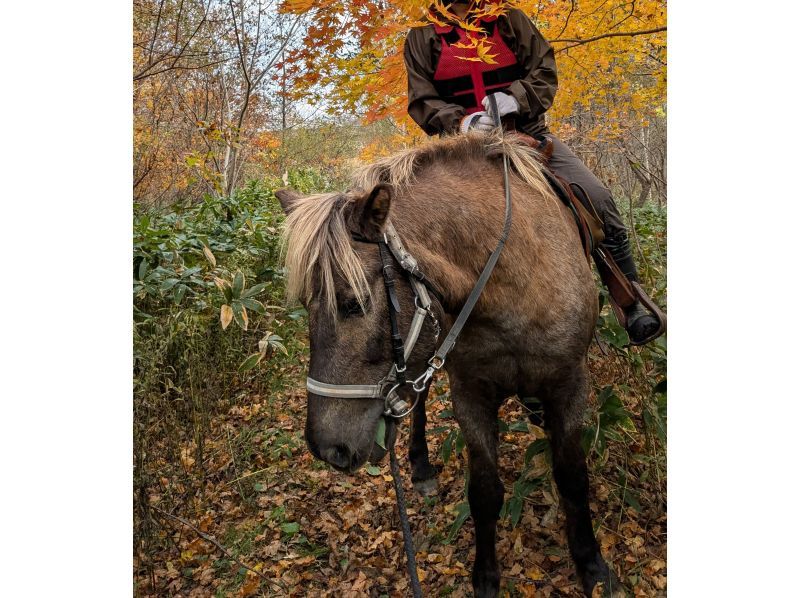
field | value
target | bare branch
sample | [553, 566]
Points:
[279, 51]
[566, 21]
[155, 33]
[145, 72]
[579, 42]
[239, 47]
[185, 68]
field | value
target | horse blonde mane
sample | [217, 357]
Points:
[316, 240]
[400, 169]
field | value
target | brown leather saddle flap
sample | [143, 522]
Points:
[589, 224]
[623, 292]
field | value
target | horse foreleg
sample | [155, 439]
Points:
[565, 403]
[476, 411]
[423, 474]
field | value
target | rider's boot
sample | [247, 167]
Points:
[640, 322]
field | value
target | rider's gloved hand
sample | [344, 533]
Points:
[477, 121]
[506, 104]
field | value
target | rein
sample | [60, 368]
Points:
[394, 406]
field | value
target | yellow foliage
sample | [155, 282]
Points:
[616, 75]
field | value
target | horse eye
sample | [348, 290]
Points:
[351, 308]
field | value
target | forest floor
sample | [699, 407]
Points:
[307, 530]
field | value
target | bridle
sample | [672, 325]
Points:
[390, 247]
[392, 251]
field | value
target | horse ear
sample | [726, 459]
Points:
[288, 198]
[372, 211]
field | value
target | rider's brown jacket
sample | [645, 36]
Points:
[534, 92]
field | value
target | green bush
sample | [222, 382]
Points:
[209, 318]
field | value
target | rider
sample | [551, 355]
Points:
[448, 94]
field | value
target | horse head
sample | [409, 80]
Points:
[335, 270]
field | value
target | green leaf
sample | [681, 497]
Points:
[380, 433]
[255, 290]
[524, 486]
[188, 273]
[179, 294]
[297, 314]
[168, 284]
[462, 512]
[373, 470]
[447, 446]
[238, 284]
[515, 510]
[251, 362]
[290, 528]
[519, 426]
[279, 345]
[632, 501]
[459, 444]
[256, 306]
[144, 266]
[536, 447]
[239, 314]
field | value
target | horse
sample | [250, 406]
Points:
[528, 334]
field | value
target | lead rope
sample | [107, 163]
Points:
[444, 349]
[408, 540]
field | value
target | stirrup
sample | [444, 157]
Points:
[651, 307]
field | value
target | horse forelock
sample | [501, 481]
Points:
[316, 247]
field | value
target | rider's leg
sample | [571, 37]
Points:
[568, 166]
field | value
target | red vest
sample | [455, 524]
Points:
[467, 82]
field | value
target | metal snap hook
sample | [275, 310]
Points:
[420, 383]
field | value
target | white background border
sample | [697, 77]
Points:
[65, 244]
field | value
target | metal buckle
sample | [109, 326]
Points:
[396, 407]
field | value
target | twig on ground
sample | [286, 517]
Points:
[215, 542]
[247, 475]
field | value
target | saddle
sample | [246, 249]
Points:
[623, 292]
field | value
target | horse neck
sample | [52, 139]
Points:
[451, 237]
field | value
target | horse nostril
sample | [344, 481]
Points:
[339, 456]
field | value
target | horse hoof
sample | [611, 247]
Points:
[600, 581]
[486, 584]
[426, 487]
